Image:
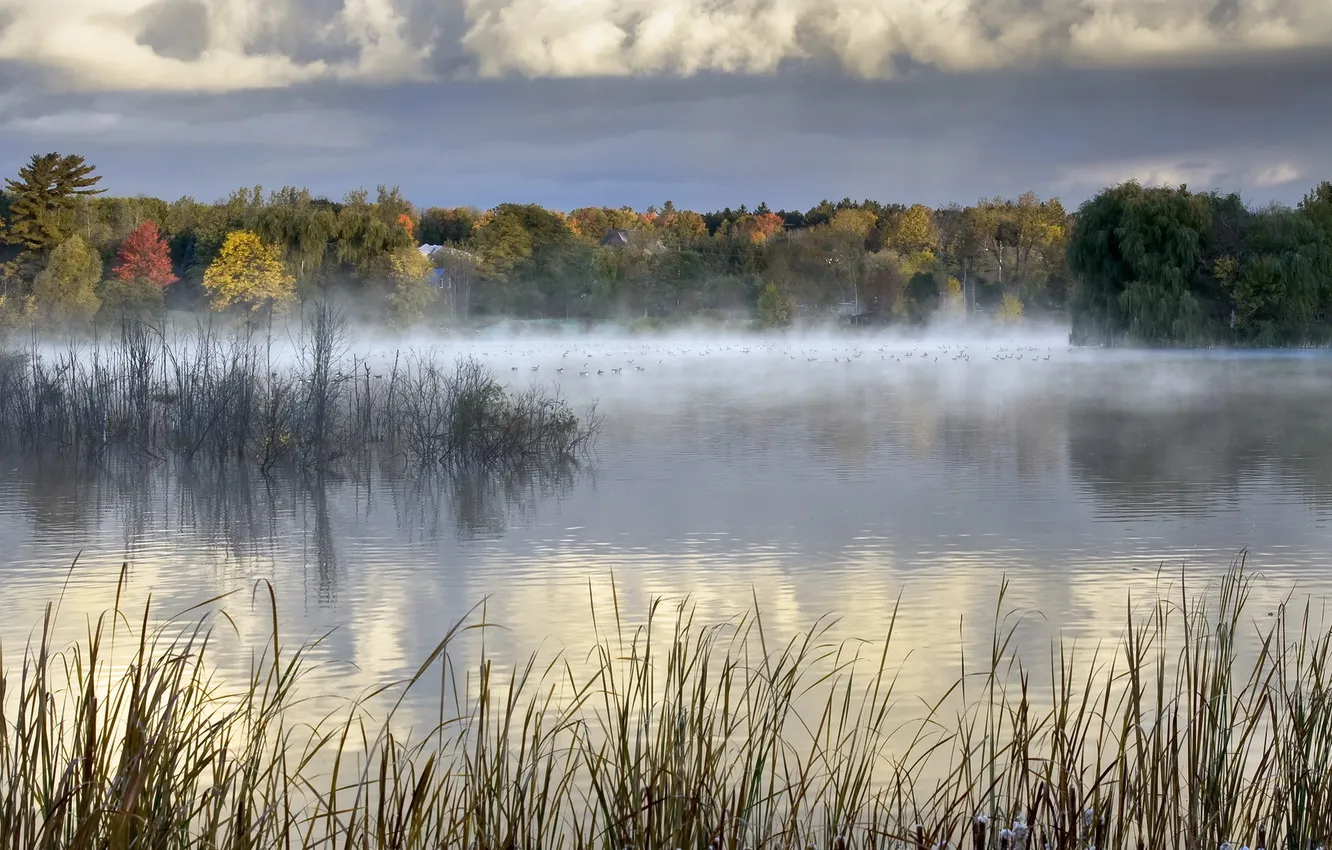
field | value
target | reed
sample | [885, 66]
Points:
[681, 734]
[247, 394]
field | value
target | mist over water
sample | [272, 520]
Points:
[805, 473]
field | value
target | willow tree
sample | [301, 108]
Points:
[303, 230]
[1279, 285]
[1137, 255]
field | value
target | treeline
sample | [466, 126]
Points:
[1132, 265]
[72, 254]
[1162, 266]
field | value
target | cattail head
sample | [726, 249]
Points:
[978, 832]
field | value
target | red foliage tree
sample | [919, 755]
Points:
[144, 256]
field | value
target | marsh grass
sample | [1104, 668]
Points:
[679, 734]
[247, 394]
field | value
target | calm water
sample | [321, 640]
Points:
[734, 472]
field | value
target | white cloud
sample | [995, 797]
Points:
[99, 44]
[1149, 172]
[868, 37]
[1220, 170]
[1276, 175]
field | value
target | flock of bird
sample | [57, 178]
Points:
[590, 360]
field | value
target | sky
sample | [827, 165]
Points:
[707, 103]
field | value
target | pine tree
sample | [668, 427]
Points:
[44, 197]
[144, 256]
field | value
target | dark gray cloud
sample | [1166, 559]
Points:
[175, 29]
[1255, 121]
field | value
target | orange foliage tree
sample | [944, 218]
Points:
[758, 227]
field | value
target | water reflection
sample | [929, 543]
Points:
[805, 486]
[212, 514]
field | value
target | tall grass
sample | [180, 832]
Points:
[246, 394]
[680, 734]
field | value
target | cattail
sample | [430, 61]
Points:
[1020, 834]
[978, 832]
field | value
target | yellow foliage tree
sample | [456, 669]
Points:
[859, 222]
[1010, 309]
[912, 231]
[954, 299]
[248, 273]
[412, 291]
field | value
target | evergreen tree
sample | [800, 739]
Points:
[44, 198]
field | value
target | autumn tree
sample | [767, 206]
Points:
[145, 256]
[680, 227]
[66, 290]
[142, 271]
[756, 228]
[591, 224]
[412, 292]
[247, 273]
[43, 199]
[857, 221]
[912, 231]
[512, 233]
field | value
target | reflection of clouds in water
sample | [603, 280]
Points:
[813, 487]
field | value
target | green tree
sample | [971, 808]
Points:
[1137, 254]
[303, 228]
[446, 226]
[369, 233]
[132, 297]
[65, 292]
[923, 296]
[44, 197]
[775, 309]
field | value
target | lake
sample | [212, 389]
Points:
[804, 475]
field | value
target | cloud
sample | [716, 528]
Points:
[209, 45]
[710, 140]
[1223, 170]
[219, 45]
[872, 38]
[1280, 174]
